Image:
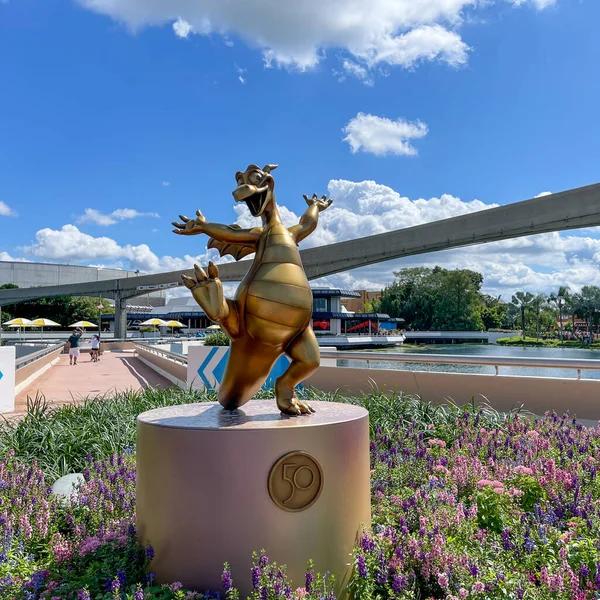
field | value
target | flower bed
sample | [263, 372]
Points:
[466, 504]
[468, 512]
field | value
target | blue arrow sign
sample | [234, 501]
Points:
[213, 367]
[1, 375]
[202, 367]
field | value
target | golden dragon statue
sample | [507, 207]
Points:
[270, 314]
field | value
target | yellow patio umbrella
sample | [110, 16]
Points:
[214, 327]
[18, 322]
[154, 321]
[83, 324]
[42, 322]
[172, 324]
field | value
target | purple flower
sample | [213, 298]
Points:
[362, 567]
[256, 573]
[309, 581]
[226, 579]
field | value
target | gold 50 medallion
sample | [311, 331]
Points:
[295, 481]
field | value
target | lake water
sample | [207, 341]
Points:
[485, 350]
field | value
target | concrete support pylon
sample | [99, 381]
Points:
[120, 317]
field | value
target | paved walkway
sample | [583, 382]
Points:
[63, 383]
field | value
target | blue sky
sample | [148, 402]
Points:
[107, 106]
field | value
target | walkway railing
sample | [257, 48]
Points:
[454, 359]
[29, 358]
[161, 352]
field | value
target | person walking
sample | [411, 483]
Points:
[73, 342]
[95, 347]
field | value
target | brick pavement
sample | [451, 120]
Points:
[63, 383]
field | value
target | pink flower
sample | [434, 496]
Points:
[300, 593]
[90, 544]
[443, 580]
[436, 442]
[521, 470]
[478, 587]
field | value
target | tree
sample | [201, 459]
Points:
[62, 309]
[435, 299]
[522, 300]
[537, 303]
[494, 312]
[560, 300]
[7, 314]
[587, 305]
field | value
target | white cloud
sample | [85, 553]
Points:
[352, 68]
[6, 256]
[91, 215]
[382, 136]
[298, 34]
[182, 28]
[538, 4]
[538, 263]
[69, 244]
[241, 72]
[165, 183]
[6, 211]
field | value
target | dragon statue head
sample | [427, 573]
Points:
[255, 188]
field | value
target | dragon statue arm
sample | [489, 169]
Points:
[227, 239]
[310, 218]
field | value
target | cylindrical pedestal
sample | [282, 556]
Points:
[214, 486]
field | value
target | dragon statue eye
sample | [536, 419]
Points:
[255, 177]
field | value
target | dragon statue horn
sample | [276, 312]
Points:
[269, 168]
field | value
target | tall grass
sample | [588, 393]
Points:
[60, 438]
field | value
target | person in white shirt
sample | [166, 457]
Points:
[95, 348]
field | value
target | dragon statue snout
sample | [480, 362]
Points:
[255, 187]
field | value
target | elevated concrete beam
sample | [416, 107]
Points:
[572, 209]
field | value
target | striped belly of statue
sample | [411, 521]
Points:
[270, 314]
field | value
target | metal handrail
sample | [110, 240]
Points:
[171, 355]
[454, 359]
[29, 358]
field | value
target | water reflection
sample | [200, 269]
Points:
[484, 350]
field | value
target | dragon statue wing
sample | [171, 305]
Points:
[238, 251]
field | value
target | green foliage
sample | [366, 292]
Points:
[435, 299]
[62, 309]
[91, 570]
[493, 312]
[553, 343]
[586, 305]
[217, 337]
[61, 437]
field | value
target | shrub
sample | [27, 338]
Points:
[217, 337]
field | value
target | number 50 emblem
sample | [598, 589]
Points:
[295, 481]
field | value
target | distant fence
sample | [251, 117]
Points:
[503, 392]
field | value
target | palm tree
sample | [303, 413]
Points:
[537, 304]
[522, 300]
[560, 299]
[590, 304]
